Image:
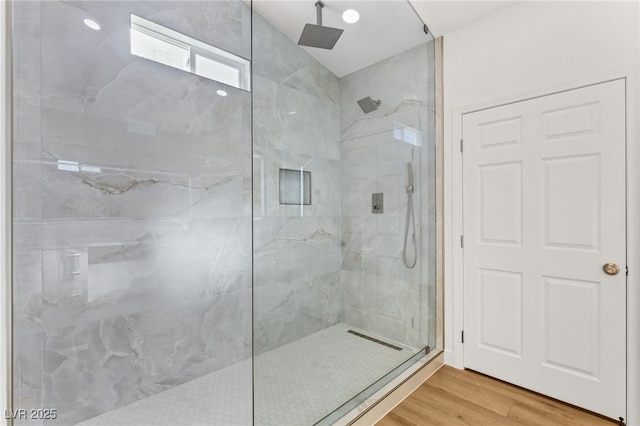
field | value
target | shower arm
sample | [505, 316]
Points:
[319, 6]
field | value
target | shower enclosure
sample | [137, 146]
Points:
[335, 307]
[208, 228]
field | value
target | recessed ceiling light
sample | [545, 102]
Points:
[293, 112]
[350, 16]
[92, 24]
[221, 92]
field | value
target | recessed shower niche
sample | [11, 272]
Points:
[295, 187]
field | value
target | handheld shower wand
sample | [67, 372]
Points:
[410, 174]
[410, 218]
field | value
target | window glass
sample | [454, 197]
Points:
[150, 47]
[215, 70]
[166, 46]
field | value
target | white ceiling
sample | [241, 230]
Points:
[444, 17]
[385, 28]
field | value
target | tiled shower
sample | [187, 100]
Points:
[156, 266]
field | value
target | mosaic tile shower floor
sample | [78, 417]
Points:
[295, 385]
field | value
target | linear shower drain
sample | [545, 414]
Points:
[373, 339]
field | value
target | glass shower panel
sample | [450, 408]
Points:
[296, 221]
[337, 311]
[132, 218]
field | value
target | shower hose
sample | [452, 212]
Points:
[410, 217]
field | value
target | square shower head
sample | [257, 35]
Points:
[367, 104]
[319, 36]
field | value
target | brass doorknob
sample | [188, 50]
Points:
[611, 268]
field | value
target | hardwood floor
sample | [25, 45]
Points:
[464, 397]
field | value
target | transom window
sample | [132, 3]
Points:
[166, 46]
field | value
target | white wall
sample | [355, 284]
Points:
[4, 283]
[534, 45]
[524, 50]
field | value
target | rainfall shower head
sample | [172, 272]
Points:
[317, 35]
[367, 104]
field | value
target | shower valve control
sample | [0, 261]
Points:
[377, 202]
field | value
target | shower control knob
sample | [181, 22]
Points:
[611, 268]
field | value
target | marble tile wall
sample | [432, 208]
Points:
[381, 294]
[297, 248]
[132, 194]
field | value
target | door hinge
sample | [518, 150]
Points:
[462, 241]
[626, 268]
[461, 146]
[462, 336]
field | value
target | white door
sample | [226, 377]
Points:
[544, 210]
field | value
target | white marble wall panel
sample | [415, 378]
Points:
[290, 310]
[27, 184]
[325, 178]
[94, 367]
[400, 82]
[381, 294]
[291, 120]
[124, 143]
[113, 194]
[277, 58]
[296, 248]
[123, 268]
[132, 184]
[284, 248]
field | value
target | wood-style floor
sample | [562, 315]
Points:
[464, 397]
